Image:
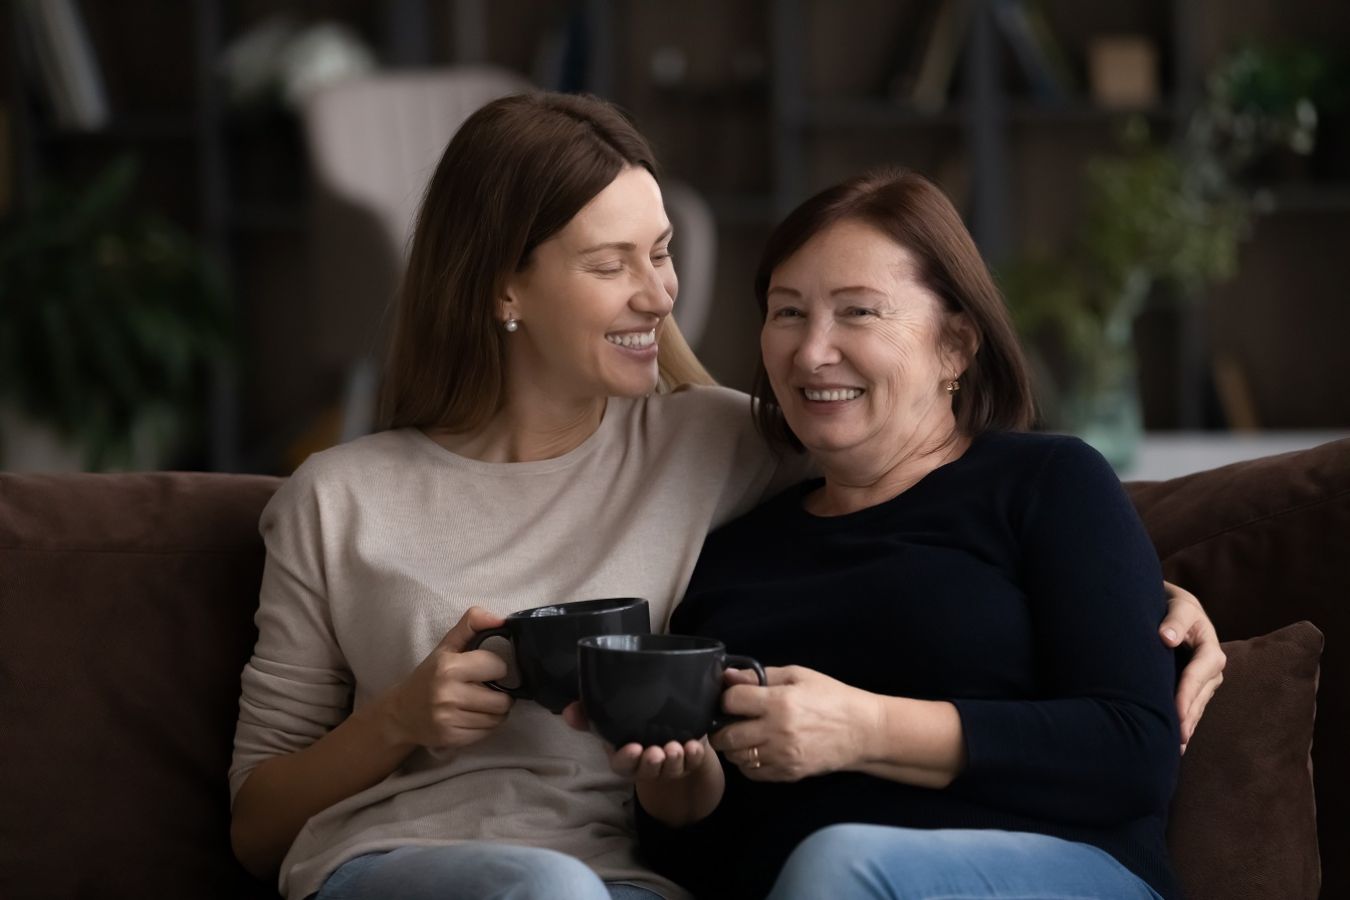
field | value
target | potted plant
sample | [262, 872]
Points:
[1156, 218]
[110, 319]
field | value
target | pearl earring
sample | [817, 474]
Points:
[512, 324]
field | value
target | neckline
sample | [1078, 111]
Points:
[608, 423]
[847, 520]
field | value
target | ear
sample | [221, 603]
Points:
[506, 305]
[961, 341]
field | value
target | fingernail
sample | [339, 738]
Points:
[1170, 634]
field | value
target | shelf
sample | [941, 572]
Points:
[1328, 197]
[871, 113]
[1080, 112]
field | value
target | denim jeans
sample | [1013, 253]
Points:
[852, 862]
[472, 871]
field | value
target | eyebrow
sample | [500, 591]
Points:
[850, 289]
[626, 246]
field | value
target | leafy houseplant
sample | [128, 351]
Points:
[1265, 108]
[1155, 217]
[109, 320]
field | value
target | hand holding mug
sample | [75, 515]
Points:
[443, 704]
[671, 762]
[802, 723]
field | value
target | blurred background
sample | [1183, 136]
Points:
[204, 203]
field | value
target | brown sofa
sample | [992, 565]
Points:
[126, 606]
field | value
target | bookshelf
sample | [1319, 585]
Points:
[770, 100]
[1010, 157]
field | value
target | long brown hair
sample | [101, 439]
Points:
[514, 175]
[908, 208]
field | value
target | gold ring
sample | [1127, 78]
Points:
[754, 758]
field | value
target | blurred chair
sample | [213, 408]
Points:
[374, 143]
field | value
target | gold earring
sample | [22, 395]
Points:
[953, 386]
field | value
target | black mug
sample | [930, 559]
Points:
[655, 688]
[545, 643]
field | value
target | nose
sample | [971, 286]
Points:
[653, 296]
[817, 347]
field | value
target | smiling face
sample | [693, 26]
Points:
[593, 298]
[854, 348]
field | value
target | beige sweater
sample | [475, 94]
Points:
[377, 547]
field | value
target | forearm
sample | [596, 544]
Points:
[282, 793]
[688, 800]
[916, 742]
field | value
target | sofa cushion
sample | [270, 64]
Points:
[1244, 823]
[1264, 543]
[126, 615]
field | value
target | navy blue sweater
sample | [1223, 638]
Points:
[1016, 582]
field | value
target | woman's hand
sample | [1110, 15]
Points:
[676, 783]
[443, 704]
[1186, 623]
[672, 762]
[803, 723]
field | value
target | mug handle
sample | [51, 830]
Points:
[476, 642]
[738, 662]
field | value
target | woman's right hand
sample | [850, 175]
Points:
[443, 704]
[671, 762]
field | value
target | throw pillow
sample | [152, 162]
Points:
[1243, 820]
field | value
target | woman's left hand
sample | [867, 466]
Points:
[803, 723]
[1186, 623]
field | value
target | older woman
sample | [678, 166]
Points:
[963, 615]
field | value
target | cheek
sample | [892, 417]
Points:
[670, 281]
[774, 352]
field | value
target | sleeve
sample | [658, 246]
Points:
[692, 856]
[755, 471]
[1100, 747]
[297, 686]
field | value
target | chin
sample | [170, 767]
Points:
[632, 387]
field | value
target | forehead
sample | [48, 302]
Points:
[847, 250]
[627, 209]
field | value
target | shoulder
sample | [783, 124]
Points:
[702, 403]
[697, 415]
[1032, 454]
[776, 515]
[329, 476]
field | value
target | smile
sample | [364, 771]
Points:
[833, 394]
[633, 340]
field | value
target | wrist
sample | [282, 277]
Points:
[873, 735]
[387, 722]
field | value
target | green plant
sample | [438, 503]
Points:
[1153, 215]
[109, 319]
[1264, 99]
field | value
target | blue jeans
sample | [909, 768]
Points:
[876, 862]
[472, 871]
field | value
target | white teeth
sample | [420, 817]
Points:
[845, 394]
[635, 341]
